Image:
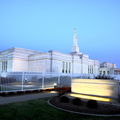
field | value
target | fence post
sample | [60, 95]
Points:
[43, 81]
[0, 81]
[118, 89]
[71, 76]
[59, 78]
[71, 80]
[81, 75]
[22, 79]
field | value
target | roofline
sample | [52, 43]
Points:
[7, 49]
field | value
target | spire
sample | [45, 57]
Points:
[75, 47]
[75, 30]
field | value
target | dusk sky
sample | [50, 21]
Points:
[43, 25]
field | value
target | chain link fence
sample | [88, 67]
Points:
[21, 81]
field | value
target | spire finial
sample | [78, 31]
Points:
[75, 30]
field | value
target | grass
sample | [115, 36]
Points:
[39, 110]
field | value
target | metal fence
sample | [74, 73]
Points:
[16, 81]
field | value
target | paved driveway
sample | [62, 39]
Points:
[5, 100]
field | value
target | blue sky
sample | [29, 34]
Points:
[44, 25]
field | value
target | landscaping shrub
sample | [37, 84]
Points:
[11, 93]
[41, 90]
[2, 94]
[28, 91]
[92, 104]
[35, 91]
[76, 101]
[104, 77]
[51, 89]
[68, 89]
[64, 99]
[47, 89]
[62, 90]
[20, 92]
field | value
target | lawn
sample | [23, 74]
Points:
[39, 110]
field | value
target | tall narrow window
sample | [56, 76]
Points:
[69, 67]
[92, 69]
[100, 72]
[63, 67]
[88, 69]
[4, 66]
[66, 66]
[115, 72]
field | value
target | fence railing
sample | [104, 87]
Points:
[15, 81]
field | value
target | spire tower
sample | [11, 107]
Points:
[75, 47]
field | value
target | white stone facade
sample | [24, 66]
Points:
[19, 59]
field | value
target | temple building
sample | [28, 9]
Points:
[19, 59]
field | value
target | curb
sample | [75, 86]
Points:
[102, 115]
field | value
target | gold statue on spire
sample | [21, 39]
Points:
[75, 30]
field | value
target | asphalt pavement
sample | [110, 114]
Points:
[6, 100]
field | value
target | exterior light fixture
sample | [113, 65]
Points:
[55, 85]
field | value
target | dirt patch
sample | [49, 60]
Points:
[102, 108]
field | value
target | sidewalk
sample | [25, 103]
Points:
[5, 100]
